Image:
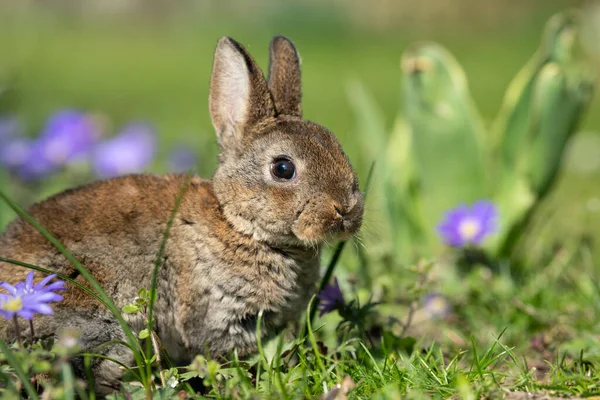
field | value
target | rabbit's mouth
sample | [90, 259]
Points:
[321, 221]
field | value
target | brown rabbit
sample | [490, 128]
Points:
[249, 240]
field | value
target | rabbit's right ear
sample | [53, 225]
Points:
[239, 97]
[284, 77]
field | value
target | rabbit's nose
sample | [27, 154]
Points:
[349, 207]
[349, 218]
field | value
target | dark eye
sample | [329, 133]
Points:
[282, 168]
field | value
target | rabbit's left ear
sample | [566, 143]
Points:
[284, 77]
[239, 96]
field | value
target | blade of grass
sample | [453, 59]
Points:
[91, 382]
[326, 278]
[111, 342]
[377, 369]
[12, 361]
[313, 342]
[102, 356]
[68, 382]
[131, 338]
[245, 382]
[50, 272]
[276, 360]
[158, 263]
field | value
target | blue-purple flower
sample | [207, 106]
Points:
[465, 225]
[331, 298]
[67, 137]
[14, 153]
[182, 159]
[26, 299]
[129, 152]
[436, 305]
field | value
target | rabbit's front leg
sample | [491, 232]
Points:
[95, 329]
[95, 334]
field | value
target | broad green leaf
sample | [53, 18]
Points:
[513, 124]
[449, 149]
[558, 103]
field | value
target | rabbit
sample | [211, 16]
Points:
[247, 241]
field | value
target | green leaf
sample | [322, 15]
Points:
[144, 333]
[143, 293]
[511, 128]
[558, 101]
[131, 308]
[542, 108]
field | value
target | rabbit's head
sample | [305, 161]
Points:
[281, 179]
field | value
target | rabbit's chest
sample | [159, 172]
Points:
[237, 290]
[273, 284]
[220, 286]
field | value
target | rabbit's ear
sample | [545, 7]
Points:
[239, 97]
[284, 77]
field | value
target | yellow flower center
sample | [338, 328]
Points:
[469, 228]
[15, 304]
[437, 305]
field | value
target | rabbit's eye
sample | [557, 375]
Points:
[282, 168]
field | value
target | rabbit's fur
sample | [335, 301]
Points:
[241, 243]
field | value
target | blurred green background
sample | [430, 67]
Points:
[151, 61]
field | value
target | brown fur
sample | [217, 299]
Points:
[240, 244]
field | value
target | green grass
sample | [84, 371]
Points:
[537, 332]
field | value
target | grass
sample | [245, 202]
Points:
[498, 335]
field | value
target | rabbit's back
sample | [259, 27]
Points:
[113, 227]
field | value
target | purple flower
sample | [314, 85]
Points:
[14, 153]
[463, 225]
[25, 158]
[331, 298]
[26, 299]
[37, 165]
[129, 152]
[68, 136]
[182, 159]
[436, 305]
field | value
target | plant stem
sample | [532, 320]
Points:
[154, 338]
[31, 330]
[421, 283]
[409, 317]
[18, 332]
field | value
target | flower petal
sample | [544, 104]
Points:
[44, 281]
[26, 314]
[44, 297]
[6, 314]
[40, 308]
[57, 285]
[10, 288]
[29, 280]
